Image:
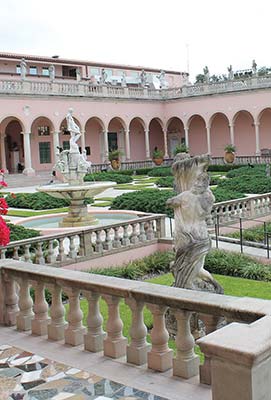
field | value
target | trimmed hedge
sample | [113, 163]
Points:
[108, 176]
[143, 171]
[35, 201]
[19, 232]
[167, 181]
[247, 170]
[222, 194]
[223, 167]
[147, 200]
[257, 184]
[160, 171]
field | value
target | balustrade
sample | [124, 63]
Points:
[158, 299]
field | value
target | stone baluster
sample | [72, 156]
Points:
[15, 255]
[41, 320]
[75, 331]
[82, 246]
[51, 257]
[57, 326]
[72, 251]
[142, 234]
[161, 227]
[115, 343]
[186, 363]
[134, 237]
[3, 254]
[107, 245]
[27, 255]
[138, 348]
[125, 239]
[95, 335]
[61, 250]
[149, 230]
[98, 244]
[39, 259]
[116, 242]
[160, 356]
[10, 297]
[25, 314]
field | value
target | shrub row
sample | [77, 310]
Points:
[160, 171]
[223, 167]
[247, 170]
[35, 201]
[222, 194]
[19, 232]
[247, 184]
[108, 176]
[166, 181]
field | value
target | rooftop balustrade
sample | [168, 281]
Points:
[60, 87]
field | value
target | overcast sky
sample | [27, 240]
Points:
[152, 33]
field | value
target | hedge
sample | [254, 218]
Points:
[257, 184]
[247, 170]
[35, 201]
[149, 200]
[223, 167]
[222, 194]
[166, 181]
[108, 176]
[160, 171]
[19, 232]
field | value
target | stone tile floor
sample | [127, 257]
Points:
[28, 376]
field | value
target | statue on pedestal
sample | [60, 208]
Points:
[162, 79]
[123, 79]
[143, 78]
[230, 73]
[23, 67]
[254, 67]
[103, 77]
[192, 206]
[74, 130]
[206, 74]
[52, 72]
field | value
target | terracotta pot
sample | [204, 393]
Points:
[229, 157]
[115, 164]
[158, 161]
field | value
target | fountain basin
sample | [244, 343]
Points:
[78, 214]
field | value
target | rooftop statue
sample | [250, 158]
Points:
[192, 206]
[162, 79]
[230, 73]
[23, 67]
[143, 78]
[206, 74]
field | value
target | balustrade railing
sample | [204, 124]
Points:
[18, 309]
[85, 88]
[78, 245]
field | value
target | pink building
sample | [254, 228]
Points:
[130, 108]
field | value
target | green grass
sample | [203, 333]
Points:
[104, 199]
[102, 204]
[132, 187]
[25, 213]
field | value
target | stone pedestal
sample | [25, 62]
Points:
[240, 358]
[78, 215]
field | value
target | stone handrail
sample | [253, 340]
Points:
[86, 89]
[80, 244]
[246, 207]
[16, 308]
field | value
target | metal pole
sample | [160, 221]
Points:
[217, 222]
[265, 232]
[241, 235]
[170, 224]
[216, 236]
[268, 249]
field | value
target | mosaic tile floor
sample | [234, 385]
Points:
[27, 376]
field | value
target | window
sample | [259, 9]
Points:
[94, 71]
[45, 152]
[109, 72]
[45, 71]
[112, 141]
[87, 148]
[18, 69]
[43, 130]
[66, 145]
[134, 73]
[33, 70]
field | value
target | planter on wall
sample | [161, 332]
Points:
[229, 157]
[115, 164]
[158, 161]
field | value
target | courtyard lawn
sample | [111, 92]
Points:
[25, 213]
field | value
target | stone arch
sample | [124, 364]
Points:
[197, 135]
[42, 143]
[12, 144]
[116, 135]
[264, 120]
[244, 133]
[94, 139]
[137, 129]
[156, 135]
[219, 133]
[175, 134]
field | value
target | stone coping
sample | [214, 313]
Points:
[240, 343]
[240, 309]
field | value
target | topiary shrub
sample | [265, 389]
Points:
[143, 171]
[149, 200]
[247, 184]
[35, 201]
[108, 176]
[247, 170]
[166, 181]
[225, 195]
[160, 171]
[19, 232]
[223, 167]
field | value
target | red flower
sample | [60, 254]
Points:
[3, 206]
[3, 184]
[4, 233]
[2, 171]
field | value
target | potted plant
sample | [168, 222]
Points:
[114, 158]
[157, 156]
[180, 148]
[229, 153]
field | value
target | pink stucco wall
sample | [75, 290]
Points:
[197, 136]
[220, 134]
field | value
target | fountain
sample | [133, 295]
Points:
[73, 166]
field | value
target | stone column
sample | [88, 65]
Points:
[257, 138]
[231, 126]
[186, 135]
[28, 170]
[147, 144]
[83, 140]
[3, 153]
[105, 153]
[208, 132]
[55, 143]
[165, 143]
[127, 145]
